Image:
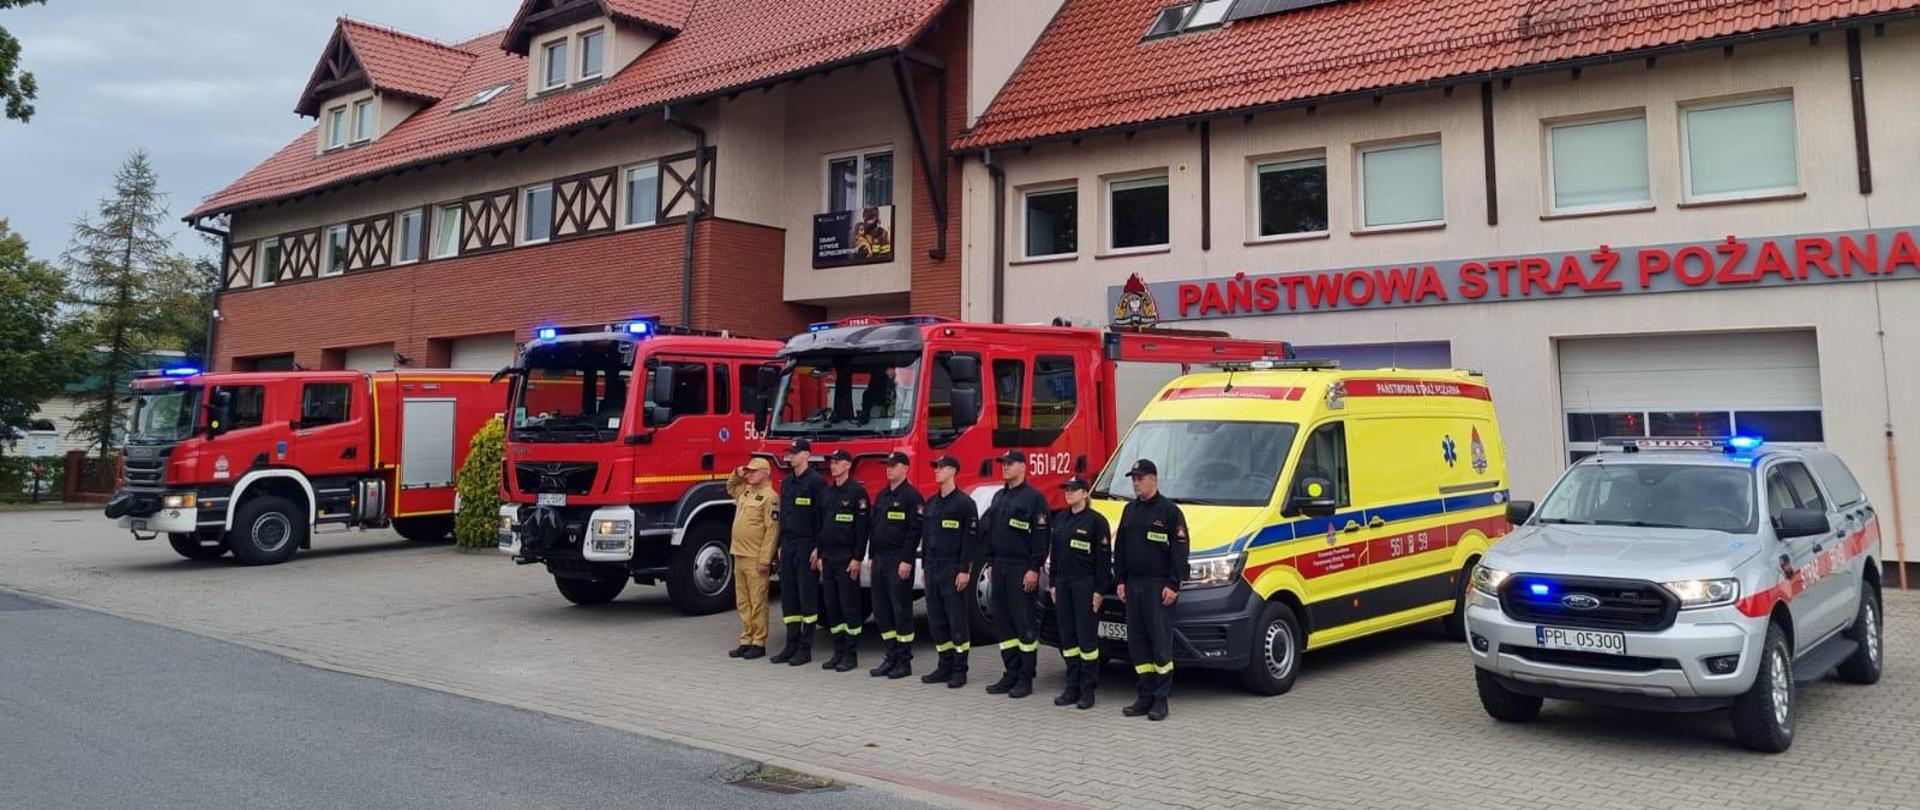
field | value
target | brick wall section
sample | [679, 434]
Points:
[602, 278]
[936, 283]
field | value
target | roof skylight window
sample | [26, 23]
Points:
[1189, 17]
[484, 96]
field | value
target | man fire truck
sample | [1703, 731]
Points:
[254, 462]
[930, 386]
[619, 441]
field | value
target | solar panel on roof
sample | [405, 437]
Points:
[1248, 9]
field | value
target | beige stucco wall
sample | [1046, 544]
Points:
[1002, 33]
[1514, 343]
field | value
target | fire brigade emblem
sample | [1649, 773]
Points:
[1477, 450]
[1337, 395]
[1136, 307]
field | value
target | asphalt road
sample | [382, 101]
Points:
[98, 711]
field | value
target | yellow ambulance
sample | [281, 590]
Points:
[1323, 504]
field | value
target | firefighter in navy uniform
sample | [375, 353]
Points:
[1149, 563]
[1079, 569]
[1013, 534]
[843, 546]
[897, 513]
[949, 544]
[802, 500]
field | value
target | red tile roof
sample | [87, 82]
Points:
[406, 64]
[666, 15]
[1090, 70]
[725, 45]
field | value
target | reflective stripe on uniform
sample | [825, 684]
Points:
[962, 648]
[1090, 655]
[1010, 644]
[888, 635]
[1165, 669]
[1030, 647]
[1142, 669]
[903, 638]
[855, 630]
[1070, 653]
[810, 619]
[838, 628]
[791, 619]
[944, 646]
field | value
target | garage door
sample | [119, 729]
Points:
[370, 358]
[483, 352]
[1748, 383]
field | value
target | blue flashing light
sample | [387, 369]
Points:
[640, 328]
[1742, 443]
[819, 327]
[547, 333]
[1539, 589]
[183, 371]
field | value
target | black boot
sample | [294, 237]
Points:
[839, 651]
[804, 654]
[942, 672]
[753, 652]
[959, 677]
[1145, 701]
[1158, 711]
[851, 661]
[902, 663]
[1023, 683]
[786, 652]
[1089, 683]
[737, 651]
[886, 665]
[1010, 663]
[1071, 694]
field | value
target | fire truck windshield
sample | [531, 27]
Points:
[848, 394]
[573, 391]
[1203, 461]
[162, 416]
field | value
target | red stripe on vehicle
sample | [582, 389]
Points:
[1416, 388]
[1349, 556]
[1237, 392]
[1826, 564]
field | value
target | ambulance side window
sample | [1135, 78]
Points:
[1325, 457]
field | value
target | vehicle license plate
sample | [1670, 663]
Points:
[1114, 630]
[139, 525]
[1596, 641]
[551, 499]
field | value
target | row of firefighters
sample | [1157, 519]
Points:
[818, 529]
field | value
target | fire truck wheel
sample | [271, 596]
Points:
[431, 529]
[701, 580]
[193, 547]
[590, 591]
[267, 529]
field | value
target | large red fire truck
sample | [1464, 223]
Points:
[254, 462]
[620, 438]
[931, 386]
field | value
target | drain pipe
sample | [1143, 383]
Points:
[999, 235]
[699, 210]
[219, 280]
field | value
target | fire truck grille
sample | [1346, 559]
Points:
[143, 473]
[555, 477]
[1604, 604]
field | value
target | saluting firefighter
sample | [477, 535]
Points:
[1149, 562]
[949, 544]
[897, 514]
[1079, 565]
[802, 500]
[1014, 533]
[843, 546]
[756, 533]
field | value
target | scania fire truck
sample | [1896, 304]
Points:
[931, 386]
[254, 462]
[620, 438]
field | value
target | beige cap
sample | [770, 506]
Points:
[758, 463]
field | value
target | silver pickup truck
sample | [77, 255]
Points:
[1682, 575]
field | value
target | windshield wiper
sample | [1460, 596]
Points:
[1207, 502]
[1567, 521]
[1642, 524]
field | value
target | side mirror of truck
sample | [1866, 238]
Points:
[219, 412]
[657, 415]
[963, 368]
[662, 393]
[1519, 511]
[966, 407]
[1801, 523]
[1313, 497]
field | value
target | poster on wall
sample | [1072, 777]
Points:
[845, 238]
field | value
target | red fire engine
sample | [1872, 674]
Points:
[253, 462]
[930, 387]
[620, 438]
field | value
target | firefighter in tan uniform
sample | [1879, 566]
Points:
[756, 533]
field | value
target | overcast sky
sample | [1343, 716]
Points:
[207, 87]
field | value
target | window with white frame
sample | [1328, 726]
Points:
[1290, 196]
[336, 259]
[592, 53]
[1598, 164]
[1137, 213]
[446, 231]
[336, 127]
[640, 187]
[269, 262]
[536, 221]
[1050, 219]
[407, 233]
[1737, 149]
[1400, 185]
[363, 120]
[859, 181]
[553, 65]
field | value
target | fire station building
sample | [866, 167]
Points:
[723, 164]
[1637, 217]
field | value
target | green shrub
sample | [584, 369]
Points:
[475, 525]
[16, 477]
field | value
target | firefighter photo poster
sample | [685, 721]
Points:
[863, 236]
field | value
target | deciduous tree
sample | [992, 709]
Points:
[17, 87]
[34, 366]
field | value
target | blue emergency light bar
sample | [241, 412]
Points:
[876, 320]
[1723, 444]
[547, 333]
[183, 371]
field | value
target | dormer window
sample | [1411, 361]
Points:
[337, 127]
[363, 113]
[592, 54]
[553, 61]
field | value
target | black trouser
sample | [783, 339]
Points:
[843, 600]
[1013, 610]
[893, 605]
[1079, 630]
[948, 618]
[799, 594]
[1150, 637]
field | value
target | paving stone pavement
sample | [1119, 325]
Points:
[1389, 722]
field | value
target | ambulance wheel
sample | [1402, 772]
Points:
[1454, 625]
[430, 529]
[1763, 716]
[267, 529]
[590, 591]
[1503, 704]
[701, 579]
[192, 547]
[1274, 660]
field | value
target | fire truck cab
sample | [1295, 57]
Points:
[254, 462]
[619, 441]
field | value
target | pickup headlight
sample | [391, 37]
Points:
[1487, 580]
[178, 501]
[1704, 593]
[1212, 572]
[614, 528]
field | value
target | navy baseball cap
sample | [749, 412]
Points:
[898, 457]
[799, 445]
[946, 461]
[1143, 467]
[840, 455]
[1013, 457]
[1076, 482]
